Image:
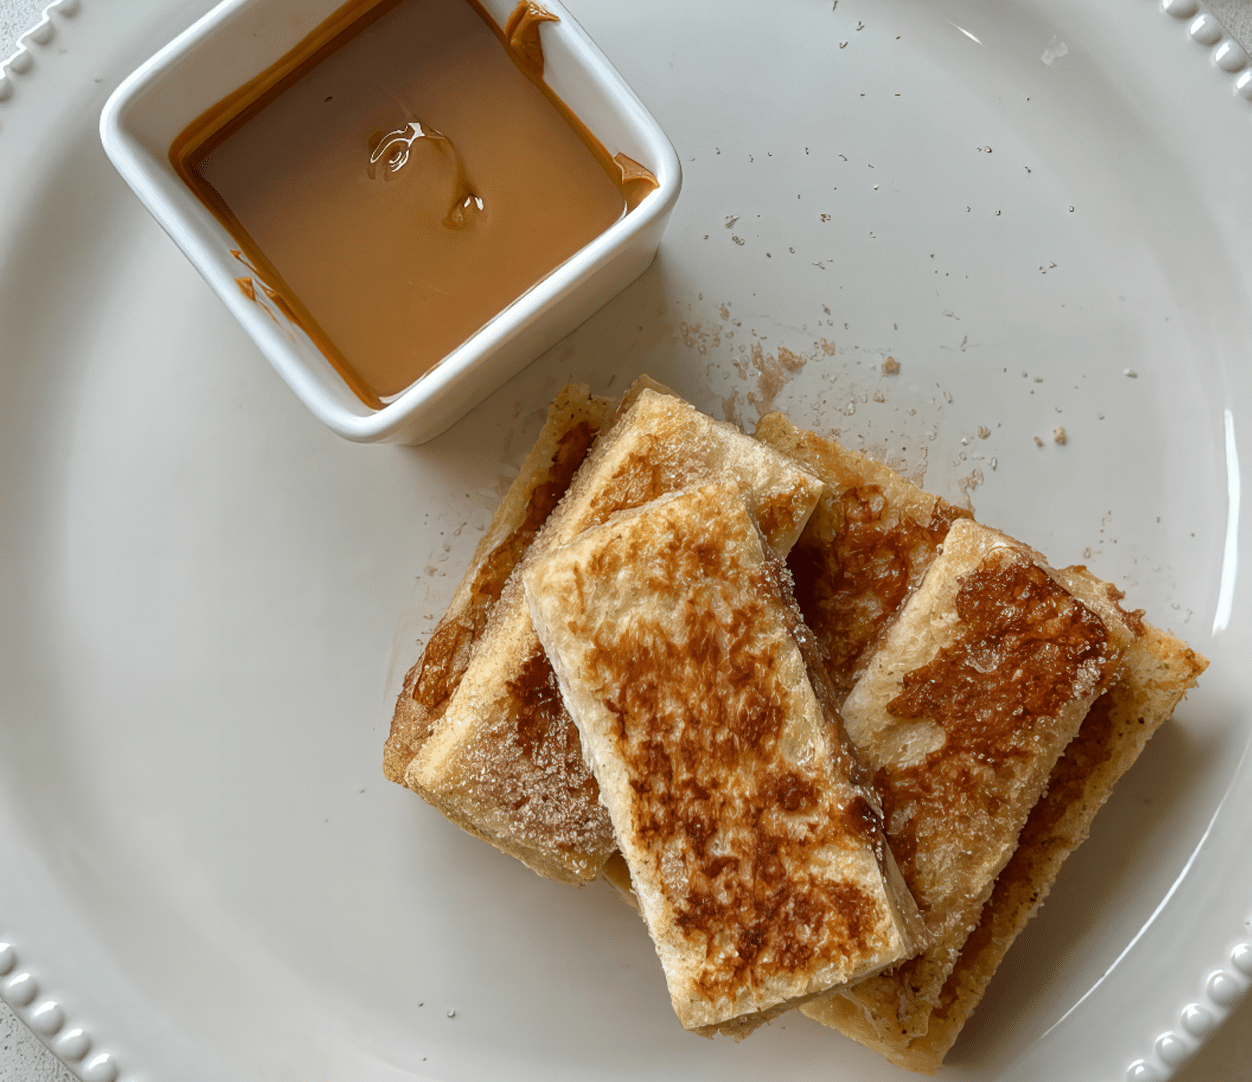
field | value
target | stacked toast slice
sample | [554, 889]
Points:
[502, 758]
[757, 859]
[873, 531]
[564, 827]
[961, 714]
[855, 819]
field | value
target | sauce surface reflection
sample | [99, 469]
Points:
[400, 179]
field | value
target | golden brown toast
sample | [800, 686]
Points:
[961, 713]
[574, 419]
[757, 860]
[870, 541]
[867, 545]
[504, 760]
[1157, 669]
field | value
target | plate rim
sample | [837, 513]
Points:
[1224, 984]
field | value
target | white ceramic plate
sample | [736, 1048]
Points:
[200, 862]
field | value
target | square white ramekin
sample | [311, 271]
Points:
[241, 38]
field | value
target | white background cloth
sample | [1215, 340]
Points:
[1226, 1058]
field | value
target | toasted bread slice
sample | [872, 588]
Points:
[1157, 670]
[504, 761]
[574, 419]
[758, 862]
[962, 713]
[870, 540]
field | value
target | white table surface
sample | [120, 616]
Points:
[1227, 1057]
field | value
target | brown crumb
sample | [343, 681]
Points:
[1038, 442]
[983, 432]
[890, 367]
[1058, 434]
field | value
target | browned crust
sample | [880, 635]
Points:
[1157, 672]
[756, 859]
[524, 787]
[955, 814]
[573, 421]
[866, 546]
[1157, 669]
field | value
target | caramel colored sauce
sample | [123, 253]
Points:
[637, 180]
[400, 178]
[522, 32]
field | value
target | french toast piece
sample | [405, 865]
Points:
[757, 860]
[1157, 670]
[981, 681]
[871, 539]
[868, 543]
[574, 419]
[504, 760]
